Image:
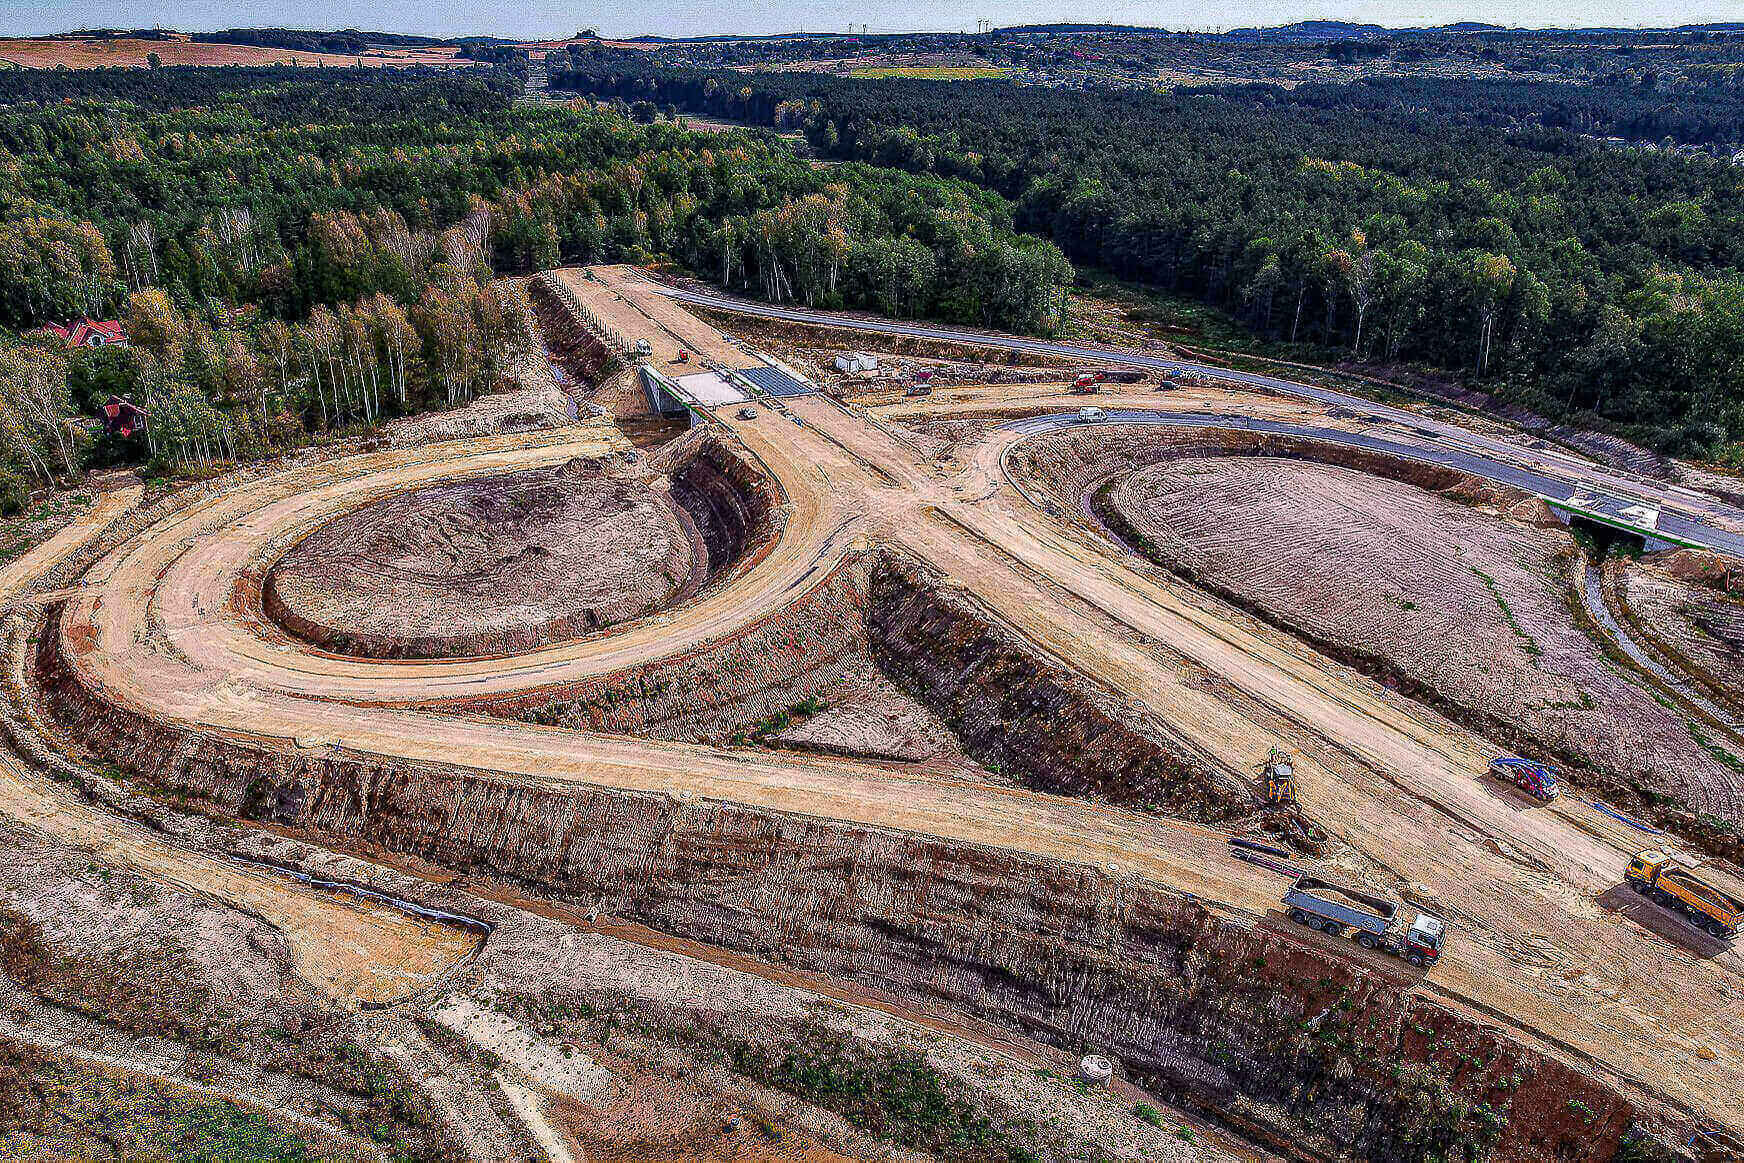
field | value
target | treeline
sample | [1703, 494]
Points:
[291, 254]
[1391, 221]
[346, 42]
[1708, 116]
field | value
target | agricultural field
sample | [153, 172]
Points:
[75, 52]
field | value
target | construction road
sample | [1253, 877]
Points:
[357, 953]
[169, 625]
[1684, 514]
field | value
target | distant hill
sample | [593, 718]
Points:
[1311, 30]
[1076, 29]
[343, 40]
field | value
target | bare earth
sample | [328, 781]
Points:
[487, 565]
[1540, 950]
[1453, 597]
[1702, 623]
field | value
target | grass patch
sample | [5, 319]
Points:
[893, 1096]
[781, 720]
[1706, 743]
[58, 1108]
[1527, 643]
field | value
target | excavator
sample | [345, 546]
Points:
[1277, 787]
[1278, 779]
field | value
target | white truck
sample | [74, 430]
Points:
[1340, 911]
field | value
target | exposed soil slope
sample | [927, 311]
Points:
[1681, 600]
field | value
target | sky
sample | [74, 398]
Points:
[552, 18]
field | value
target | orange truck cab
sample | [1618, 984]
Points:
[1676, 880]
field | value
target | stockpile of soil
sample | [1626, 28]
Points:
[1448, 600]
[486, 566]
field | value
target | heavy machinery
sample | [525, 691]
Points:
[1087, 382]
[1284, 815]
[1538, 780]
[1674, 879]
[1278, 779]
[1377, 923]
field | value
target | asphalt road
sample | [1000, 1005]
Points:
[1475, 463]
[1684, 514]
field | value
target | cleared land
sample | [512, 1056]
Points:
[486, 566]
[1701, 621]
[744, 845]
[1451, 599]
[933, 72]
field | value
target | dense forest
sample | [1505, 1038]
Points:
[298, 250]
[1465, 225]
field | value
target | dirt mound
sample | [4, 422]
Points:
[486, 566]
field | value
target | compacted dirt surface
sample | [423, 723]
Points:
[1456, 600]
[913, 937]
[484, 566]
[1682, 600]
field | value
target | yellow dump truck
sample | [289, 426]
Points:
[1676, 881]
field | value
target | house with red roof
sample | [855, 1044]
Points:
[91, 333]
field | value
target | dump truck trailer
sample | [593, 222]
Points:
[1676, 881]
[1376, 922]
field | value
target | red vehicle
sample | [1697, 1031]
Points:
[1538, 780]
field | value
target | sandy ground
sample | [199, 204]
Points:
[355, 952]
[1537, 945]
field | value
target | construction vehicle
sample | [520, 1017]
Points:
[1278, 779]
[1538, 780]
[683, 357]
[1091, 415]
[919, 388]
[1674, 879]
[1283, 815]
[1087, 382]
[1340, 911]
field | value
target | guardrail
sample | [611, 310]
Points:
[611, 337]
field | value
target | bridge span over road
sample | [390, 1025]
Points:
[1574, 485]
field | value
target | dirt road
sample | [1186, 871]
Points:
[354, 952]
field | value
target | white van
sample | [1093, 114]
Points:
[1091, 415]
